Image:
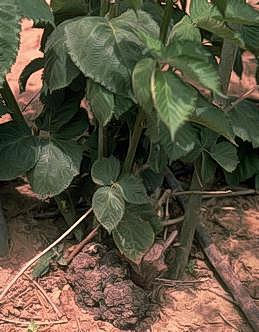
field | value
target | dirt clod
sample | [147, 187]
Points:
[100, 281]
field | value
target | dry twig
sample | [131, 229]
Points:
[33, 260]
[79, 247]
[26, 323]
[54, 307]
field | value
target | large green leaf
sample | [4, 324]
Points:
[195, 62]
[32, 67]
[59, 69]
[173, 99]
[133, 236]
[102, 102]
[185, 140]
[64, 9]
[225, 154]
[36, 10]
[133, 190]
[112, 48]
[185, 30]
[105, 171]
[158, 158]
[210, 116]
[59, 162]
[245, 119]
[18, 150]
[250, 35]
[208, 168]
[141, 82]
[109, 206]
[207, 16]
[54, 117]
[238, 12]
[9, 36]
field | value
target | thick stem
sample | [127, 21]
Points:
[67, 208]
[114, 8]
[134, 140]
[227, 60]
[191, 221]
[12, 104]
[166, 20]
[100, 141]
[104, 8]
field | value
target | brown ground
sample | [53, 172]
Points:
[204, 306]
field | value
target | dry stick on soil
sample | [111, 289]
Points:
[209, 194]
[25, 324]
[79, 247]
[222, 267]
[59, 314]
[33, 260]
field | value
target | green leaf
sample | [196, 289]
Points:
[184, 30]
[109, 206]
[207, 16]
[134, 4]
[112, 48]
[78, 124]
[245, 119]
[133, 236]
[18, 150]
[208, 168]
[210, 116]
[54, 117]
[225, 154]
[133, 190]
[64, 9]
[173, 99]
[36, 10]
[157, 159]
[9, 36]
[59, 162]
[102, 102]
[59, 70]
[32, 67]
[122, 105]
[238, 12]
[105, 171]
[185, 140]
[250, 34]
[195, 62]
[152, 44]
[141, 82]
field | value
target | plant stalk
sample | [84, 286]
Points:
[134, 141]
[12, 104]
[104, 8]
[114, 8]
[227, 60]
[100, 141]
[166, 20]
[191, 220]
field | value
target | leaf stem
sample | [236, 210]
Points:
[134, 141]
[100, 141]
[114, 9]
[12, 104]
[104, 8]
[166, 20]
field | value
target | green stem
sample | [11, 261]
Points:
[100, 141]
[104, 8]
[12, 104]
[114, 9]
[191, 220]
[228, 57]
[134, 141]
[166, 20]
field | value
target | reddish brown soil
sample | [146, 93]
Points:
[185, 307]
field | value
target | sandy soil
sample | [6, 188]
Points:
[197, 306]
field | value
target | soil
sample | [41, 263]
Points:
[198, 303]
